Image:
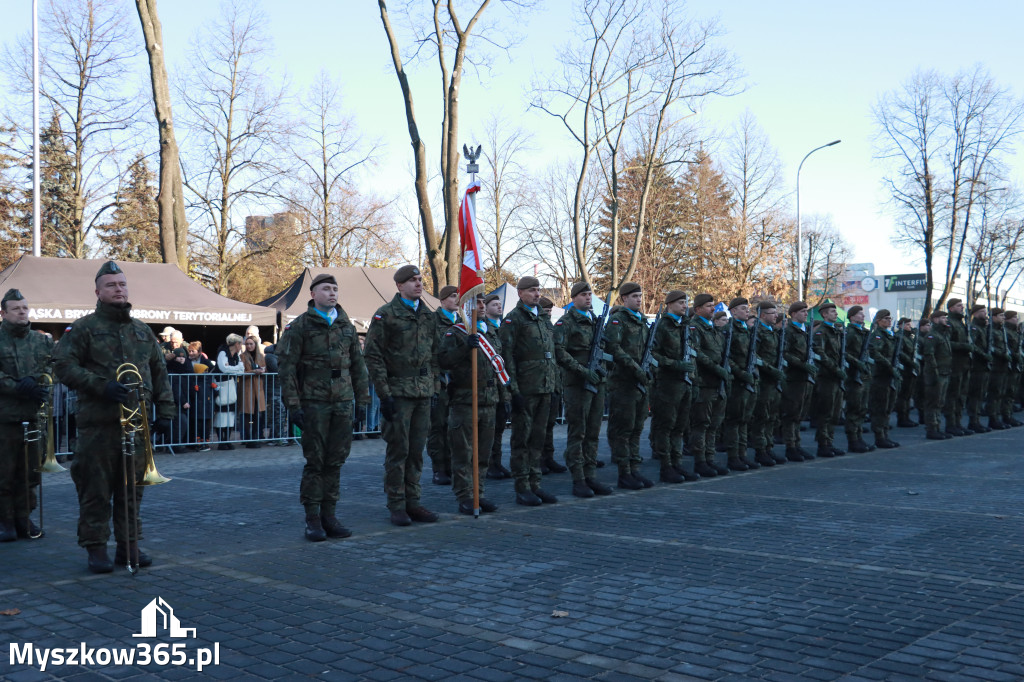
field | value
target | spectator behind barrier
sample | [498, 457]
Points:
[252, 394]
[228, 362]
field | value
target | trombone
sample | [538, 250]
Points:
[134, 420]
[42, 437]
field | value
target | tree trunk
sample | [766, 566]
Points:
[170, 199]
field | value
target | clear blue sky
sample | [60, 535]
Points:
[813, 71]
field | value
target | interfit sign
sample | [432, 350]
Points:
[905, 282]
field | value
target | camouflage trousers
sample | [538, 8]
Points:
[406, 436]
[326, 443]
[438, 447]
[98, 473]
[956, 394]
[736, 425]
[794, 397]
[670, 414]
[17, 493]
[908, 391]
[627, 413]
[549, 433]
[460, 438]
[584, 412]
[500, 423]
[766, 416]
[528, 428]
[706, 415]
[935, 388]
[976, 393]
[827, 404]
[997, 381]
[856, 409]
[1010, 394]
[881, 399]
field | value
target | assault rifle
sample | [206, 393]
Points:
[752, 360]
[842, 356]
[989, 338]
[726, 350]
[1006, 347]
[811, 355]
[915, 369]
[647, 360]
[1020, 348]
[781, 363]
[597, 354]
[897, 364]
[865, 357]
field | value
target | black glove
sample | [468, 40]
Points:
[591, 376]
[745, 377]
[518, 402]
[40, 394]
[162, 426]
[811, 369]
[387, 408]
[507, 413]
[298, 418]
[26, 386]
[722, 372]
[473, 341]
[117, 393]
[640, 374]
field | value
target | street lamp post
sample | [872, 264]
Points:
[799, 230]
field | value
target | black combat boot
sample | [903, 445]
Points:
[719, 469]
[837, 452]
[552, 466]
[825, 450]
[99, 560]
[668, 474]
[332, 527]
[8, 533]
[598, 487]
[121, 555]
[751, 464]
[581, 489]
[978, 427]
[905, 422]
[934, 435]
[441, 478]
[634, 471]
[858, 445]
[737, 464]
[528, 499]
[545, 497]
[763, 458]
[704, 470]
[794, 454]
[421, 514]
[314, 528]
[996, 424]
[26, 529]
[626, 480]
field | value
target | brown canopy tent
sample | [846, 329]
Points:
[361, 291]
[61, 290]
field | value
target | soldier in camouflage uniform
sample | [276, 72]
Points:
[437, 442]
[1000, 371]
[454, 358]
[908, 376]
[529, 352]
[960, 378]
[584, 408]
[24, 356]
[799, 375]
[828, 393]
[709, 395]
[1013, 378]
[882, 396]
[86, 361]
[766, 402]
[495, 470]
[548, 465]
[740, 405]
[627, 412]
[858, 381]
[322, 371]
[981, 368]
[936, 368]
[673, 388]
[401, 358]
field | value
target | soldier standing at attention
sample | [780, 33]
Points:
[960, 378]
[740, 404]
[908, 380]
[401, 358]
[882, 395]
[799, 374]
[766, 402]
[981, 368]
[857, 393]
[437, 441]
[828, 391]
[24, 355]
[322, 371]
[936, 368]
[548, 465]
[1013, 377]
[708, 404]
[502, 411]
[999, 374]
[529, 346]
[584, 409]
[671, 393]
[454, 357]
[86, 360]
[627, 336]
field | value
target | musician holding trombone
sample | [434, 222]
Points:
[116, 365]
[24, 359]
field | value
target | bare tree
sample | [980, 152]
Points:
[171, 197]
[942, 135]
[996, 242]
[83, 70]
[236, 131]
[826, 255]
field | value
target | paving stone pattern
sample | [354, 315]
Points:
[893, 565]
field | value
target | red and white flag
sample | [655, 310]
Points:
[471, 278]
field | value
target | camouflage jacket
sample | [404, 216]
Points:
[937, 352]
[907, 353]
[738, 351]
[529, 351]
[443, 323]
[959, 338]
[827, 342]
[574, 334]
[1000, 353]
[23, 353]
[674, 361]
[882, 343]
[625, 341]
[709, 344]
[979, 343]
[1013, 343]
[401, 350]
[856, 337]
[323, 362]
[90, 352]
[453, 357]
[795, 352]
[768, 351]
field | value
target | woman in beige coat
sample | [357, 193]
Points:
[252, 395]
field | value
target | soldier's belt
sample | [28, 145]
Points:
[335, 373]
[527, 357]
[407, 373]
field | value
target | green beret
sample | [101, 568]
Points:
[738, 301]
[12, 295]
[702, 299]
[527, 283]
[546, 303]
[797, 306]
[936, 314]
[628, 288]
[854, 310]
[109, 268]
[447, 291]
[491, 297]
[995, 311]
[674, 295]
[579, 288]
[766, 305]
[882, 314]
[405, 273]
[976, 307]
[952, 302]
[323, 278]
[825, 306]
[1011, 314]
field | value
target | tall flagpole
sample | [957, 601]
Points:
[472, 169]
[36, 248]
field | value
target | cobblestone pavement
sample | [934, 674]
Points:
[899, 565]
